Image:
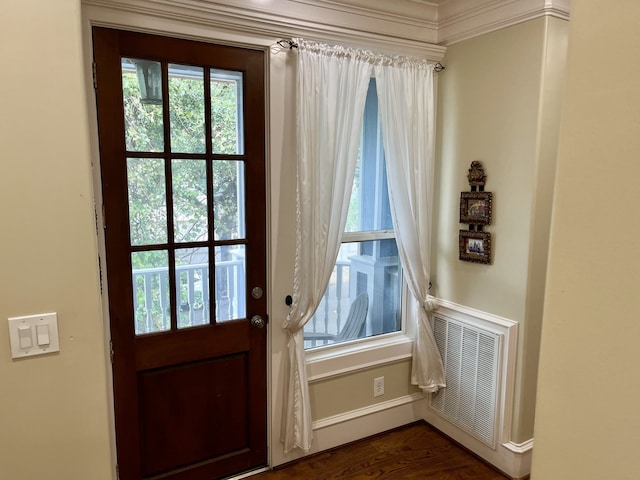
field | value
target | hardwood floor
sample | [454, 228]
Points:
[415, 451]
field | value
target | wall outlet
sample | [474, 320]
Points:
[378, 386]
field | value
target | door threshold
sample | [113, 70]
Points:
[249, 473]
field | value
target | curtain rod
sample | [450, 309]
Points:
[288, 43]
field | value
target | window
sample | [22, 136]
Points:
[363, 298]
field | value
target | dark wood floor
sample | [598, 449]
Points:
[415, 451]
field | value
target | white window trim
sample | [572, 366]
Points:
[350, 357]
[367, 236]
[353, 357]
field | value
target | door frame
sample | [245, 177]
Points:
[111, 17]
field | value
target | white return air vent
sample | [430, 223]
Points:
[476, 408]
[471, 356]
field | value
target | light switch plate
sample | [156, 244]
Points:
[19, 325]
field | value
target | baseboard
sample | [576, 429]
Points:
[388, 407]
[360, 423]
[514, 460]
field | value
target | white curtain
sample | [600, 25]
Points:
[331, 91]
[406, 104]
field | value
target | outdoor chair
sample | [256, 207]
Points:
[353, 326]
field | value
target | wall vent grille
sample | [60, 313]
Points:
[470, 356]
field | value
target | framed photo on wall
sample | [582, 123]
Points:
[474, 246]
[476, 208]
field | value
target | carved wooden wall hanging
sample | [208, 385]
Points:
[476, 209]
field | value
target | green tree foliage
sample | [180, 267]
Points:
[147, 180]
[146, 177]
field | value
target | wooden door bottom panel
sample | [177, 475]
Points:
[184, 409]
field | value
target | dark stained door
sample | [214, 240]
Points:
[182, 144]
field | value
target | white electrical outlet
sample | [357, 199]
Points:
[378, 386]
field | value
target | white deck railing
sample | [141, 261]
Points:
[151, 298]
[334, 306]
[151, 295]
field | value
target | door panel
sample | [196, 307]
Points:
[181, 127]
[193, 400]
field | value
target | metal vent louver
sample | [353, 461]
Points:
[470, 357]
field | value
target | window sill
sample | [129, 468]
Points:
[354, 356]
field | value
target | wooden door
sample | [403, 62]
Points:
[182, 142]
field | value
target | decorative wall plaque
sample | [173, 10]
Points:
[476, 209]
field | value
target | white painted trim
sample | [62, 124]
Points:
[458, 22]
[515, 464]
[286, 18]
[510, 458]
[361, 355]
[508, 329]
[408, 27]
[365, 424]
[520, 447]
[473, 315]
[425, 16]
[368, 410]
[96, 178]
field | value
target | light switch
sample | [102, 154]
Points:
[24, 336]
[34, 335]
[42, 334]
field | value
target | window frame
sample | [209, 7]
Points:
[339, 358]
[363, 353]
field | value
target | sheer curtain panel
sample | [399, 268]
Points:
[406, 104]
[332, 84]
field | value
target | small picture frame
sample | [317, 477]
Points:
[476, 208]
[475, 246]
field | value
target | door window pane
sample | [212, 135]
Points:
[230, 282]
[227, 134]
[186, 108]
[151, 297]
[142, 98]
[228, 199]
[192, 283]
[147, 201]
[189, 200]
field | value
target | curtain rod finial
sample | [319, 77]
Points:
[284, 43]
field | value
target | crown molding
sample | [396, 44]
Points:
[421, 28]
[458, 22]
[331, 21]
[417, 12]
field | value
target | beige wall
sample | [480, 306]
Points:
[56, 408]
[552, 84]
[351, 392]
[491, 110]
[498, 103]
[54, 412]
[587, 421]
